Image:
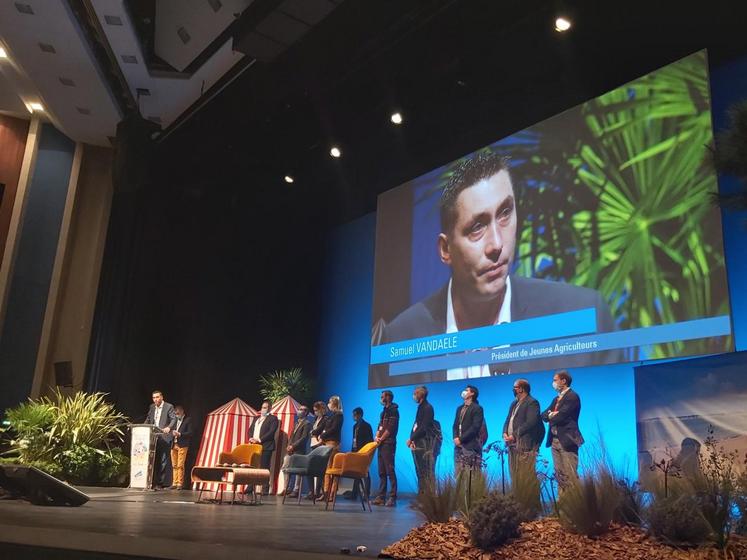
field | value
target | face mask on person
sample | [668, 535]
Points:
[265, 412]
[465, 394]
[300, 415]
[555, 386]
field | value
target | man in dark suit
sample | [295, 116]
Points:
[362, 435]
[182, 433]
[564, 437]
[422, 439]
[162, 415]
[523, 430]
[478, 242]
[466, 431]
[298, 443]
[263, 431]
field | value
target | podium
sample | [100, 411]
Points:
[142, 454]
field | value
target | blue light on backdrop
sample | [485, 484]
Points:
[607, 392]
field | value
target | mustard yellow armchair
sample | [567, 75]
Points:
[242, 455]
[351, 465]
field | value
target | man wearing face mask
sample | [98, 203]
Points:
[362, 435]
[421, 440]
[386, 437]
[523, 430]
[564, 437]
[469, 431]
[298, 443]
[263, 431]
[182, 438]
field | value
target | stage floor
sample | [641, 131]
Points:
[169, 524]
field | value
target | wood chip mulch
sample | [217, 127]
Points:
[546, 538]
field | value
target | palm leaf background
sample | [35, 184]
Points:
[614, 195]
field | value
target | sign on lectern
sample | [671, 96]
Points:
[142, 454]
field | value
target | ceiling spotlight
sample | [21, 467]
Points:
[3, 53]
[288, 179]
[396, 118]
[335, 152]
[36, 107]
[562, 24]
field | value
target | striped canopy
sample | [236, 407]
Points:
[225, 428]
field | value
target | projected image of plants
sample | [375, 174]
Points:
[615, 195]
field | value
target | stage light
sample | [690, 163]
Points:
[3, 53]
[396, 118]
[562, 24]
[335, 152]
[288, 179]
[36, 107]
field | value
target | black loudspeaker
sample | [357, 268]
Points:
[38, 487]
[63, 374]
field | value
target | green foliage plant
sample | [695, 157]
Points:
[75, 437]
[495, 520]
[472, 486]
[589, 505]
[438, 500]
[677, 520]
[281, 383]
[525, 487]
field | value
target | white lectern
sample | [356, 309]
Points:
[142, 454]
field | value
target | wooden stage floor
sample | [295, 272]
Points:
[128, 524]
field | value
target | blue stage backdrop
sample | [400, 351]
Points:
[607, 392]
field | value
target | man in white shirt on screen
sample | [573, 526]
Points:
[477, 241]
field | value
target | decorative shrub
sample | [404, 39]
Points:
[630, 510]
[495, 520]
[438, 501]
[525, 488]
[72, 437]
[472, 485]
[678, 520]
[588, 506]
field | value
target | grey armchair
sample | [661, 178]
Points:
[313, 464]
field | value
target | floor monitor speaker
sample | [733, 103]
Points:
[38, 487]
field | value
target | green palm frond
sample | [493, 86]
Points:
[281, 383]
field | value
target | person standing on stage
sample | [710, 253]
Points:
[469, 431]
[564, 437]
[422, 439]
[523, 430]
[362, 435]
[182, 438]
[320, 412]
[298, 444]
[330, 434]
[263, 431]
[386, 437]
[162, 415]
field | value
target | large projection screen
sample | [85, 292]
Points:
[587, 239]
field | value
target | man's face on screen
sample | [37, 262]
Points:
[480, 247]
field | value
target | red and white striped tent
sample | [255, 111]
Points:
[225, 428]
[285, 409]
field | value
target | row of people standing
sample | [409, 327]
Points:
[523, 433]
